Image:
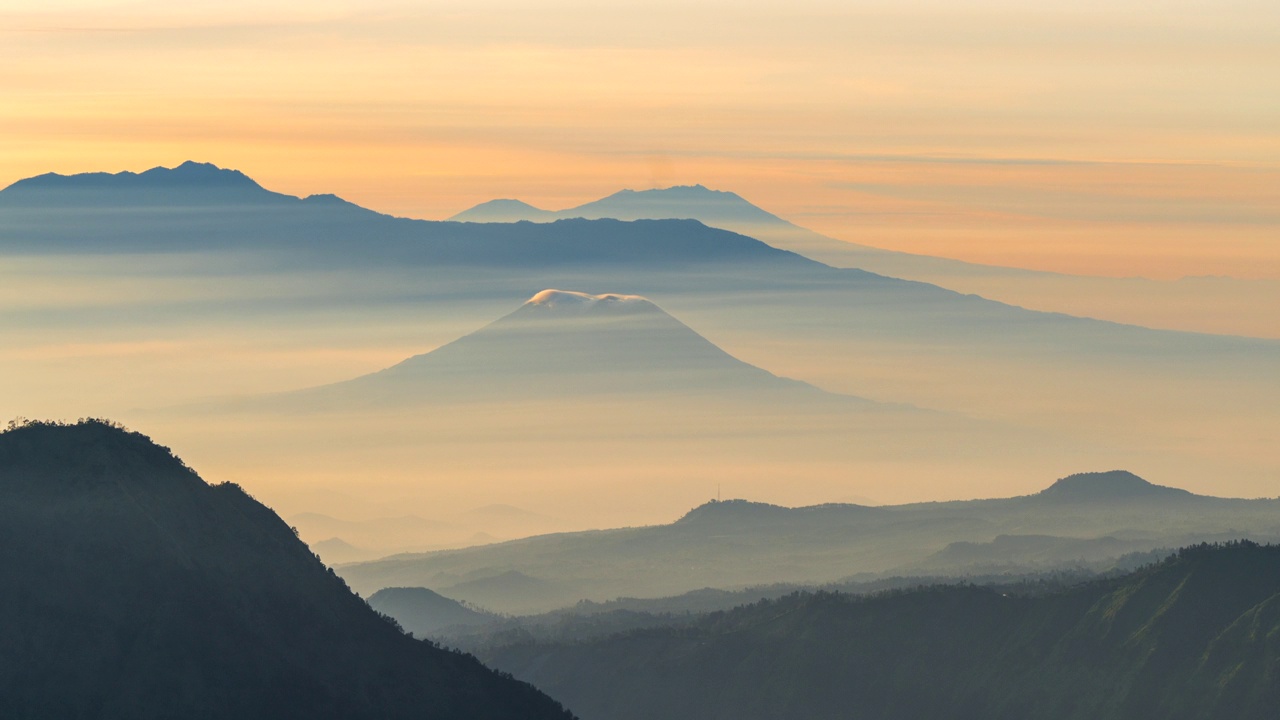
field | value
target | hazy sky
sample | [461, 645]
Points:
[1116, 137]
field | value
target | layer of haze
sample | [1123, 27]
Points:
[1102, 138]
[125, 339]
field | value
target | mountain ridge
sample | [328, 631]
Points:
[737, 543]
[133, 589]
[1191, 637]
[1236, 301]
[1109, 486]
[190, 182]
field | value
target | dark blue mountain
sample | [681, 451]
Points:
[189, 184]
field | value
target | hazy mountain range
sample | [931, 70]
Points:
[1192, 637]
[196, 283]
[736, 543]
[1206, 304]
[311, 348]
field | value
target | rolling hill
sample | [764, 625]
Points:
[1195, 636]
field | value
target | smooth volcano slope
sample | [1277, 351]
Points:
[562, 345]
[130, 588]
[737, 543]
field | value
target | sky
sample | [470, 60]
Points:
[1117, 138]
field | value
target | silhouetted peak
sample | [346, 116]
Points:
[188, 173]
[84, 454]
[687, 191]
[693, 201]
[503, 210]
[732, 510]
[327, 198]
[1108, 486]
[188, 183]
[507, 204]
[679, 201]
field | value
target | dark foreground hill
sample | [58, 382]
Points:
[1197, 636]
[129, 588]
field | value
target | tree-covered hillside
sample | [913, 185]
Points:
[130, 588]
[1196, 636]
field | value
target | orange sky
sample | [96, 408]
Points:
[1107, 137]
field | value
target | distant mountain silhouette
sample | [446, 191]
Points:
[201, 207]
[563, 344]
[1116, 299]
[736, 543]
[779, 306]
[1192, 638]
[1113, 486]
[198, 208]
[342, 541]
[743, 513]
[491, 590]
[336, 551]
[131, 589]
[188, 184]
[423, 612]
[731, 211]
[693, 202]
[505, 211]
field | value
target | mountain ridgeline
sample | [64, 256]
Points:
[1089, 520]
[185, 209]
[1194, 637]
[132, 589]
[1235, 303]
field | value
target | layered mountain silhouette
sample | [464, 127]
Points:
[736, 543]
[199, 207]
[189, 184]
[1116, 486]
[1194, 637]
[1236, 303]
[694, 202]
[845, 330]
[132, 589]
[730, 211]
[563, 345]
[425, 613]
